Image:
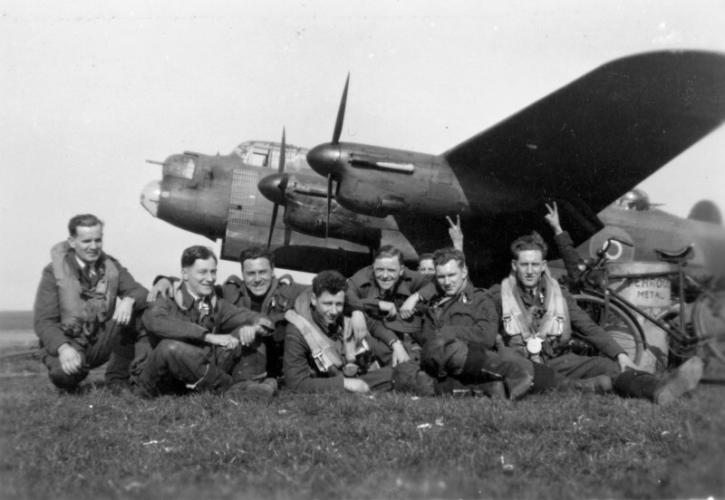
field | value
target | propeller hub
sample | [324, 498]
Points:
[273, 188]
[324, 159]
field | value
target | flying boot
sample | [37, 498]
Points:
[661, 390]
[601, 384]
[546, 379]
[216, 380]
[495, 376]
[408, 377]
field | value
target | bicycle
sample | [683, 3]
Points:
[598, 291]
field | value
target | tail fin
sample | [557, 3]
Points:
[706, 211]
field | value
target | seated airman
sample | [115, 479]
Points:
[86, 309]
[199, 341]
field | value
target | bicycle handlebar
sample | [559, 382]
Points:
[601, 258]
[602, 251]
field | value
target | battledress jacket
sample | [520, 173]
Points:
[569, 256]
[47, 314]
[300, 371]
[582, 325]
[364, 295]
[167, 319]
[279, 298]
[469, 317]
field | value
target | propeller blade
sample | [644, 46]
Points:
[271, 226]
[329, 205]
[282, 185]
[341, 113]
[282, 151]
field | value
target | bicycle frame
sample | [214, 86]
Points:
[602, 288]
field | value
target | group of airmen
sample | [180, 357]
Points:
[428, 332]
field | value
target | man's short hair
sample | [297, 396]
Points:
[194, 253]
[387, 251]
[532, 241]
[82, 220]
[442, 256]
[256, 252]
[329, 281]
[425, 256]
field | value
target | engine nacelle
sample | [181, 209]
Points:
[308, 215]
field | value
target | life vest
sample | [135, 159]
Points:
[326, 353]
[517, 320]
[83, 311]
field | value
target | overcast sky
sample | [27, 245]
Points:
[92, 89]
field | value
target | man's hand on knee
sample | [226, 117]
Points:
[625, 362]
[400, 355]
[223, 340]
[359, 325]
[247, 335]
[70, 359]
[124, 310]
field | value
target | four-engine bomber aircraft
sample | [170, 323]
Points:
[583, 146]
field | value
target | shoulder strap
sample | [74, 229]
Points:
[324, 351]
[513, 316]
[556, 319]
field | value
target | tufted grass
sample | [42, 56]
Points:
[100, 445]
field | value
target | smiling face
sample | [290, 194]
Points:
[328, 306]
[387, 271]
[257, 274]
[528, 268]
[87, 243]
[451, 277]
[200, 276]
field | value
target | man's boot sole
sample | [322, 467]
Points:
[683, 380]
[519, 388]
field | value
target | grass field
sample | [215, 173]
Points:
[98, 445]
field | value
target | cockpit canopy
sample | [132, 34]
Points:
[266, 154]
[180, 166]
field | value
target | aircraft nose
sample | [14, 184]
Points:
[324, 159]
[151, 197]
[273, 187]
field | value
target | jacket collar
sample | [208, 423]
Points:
[465, 295]
[79, 266]
[536, 297]
[185, 300]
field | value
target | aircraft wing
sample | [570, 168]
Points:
[598, 137]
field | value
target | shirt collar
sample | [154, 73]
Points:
[537, 295]
[188, 297]
[83, 264]
[80, 262]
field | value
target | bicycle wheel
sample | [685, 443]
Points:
[620, 324]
